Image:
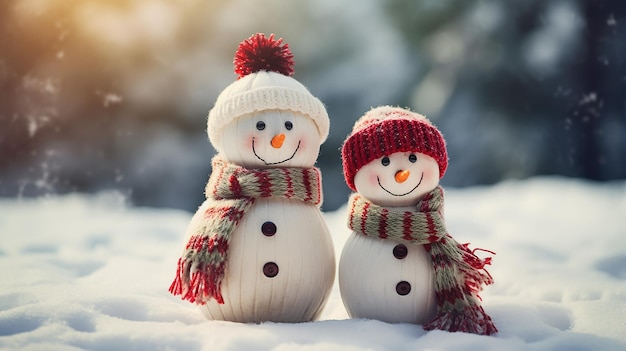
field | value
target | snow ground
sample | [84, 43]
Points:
[90, 272]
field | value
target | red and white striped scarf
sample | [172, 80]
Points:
[230, 193]
[459, 274]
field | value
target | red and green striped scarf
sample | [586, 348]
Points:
[231, 192]
[459, 274]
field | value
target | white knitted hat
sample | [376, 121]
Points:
[264, 68]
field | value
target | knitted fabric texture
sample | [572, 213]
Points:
[459, 274]
[385, 130]
[231, 191]
[239, 100]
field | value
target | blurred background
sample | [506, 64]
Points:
[113, 94]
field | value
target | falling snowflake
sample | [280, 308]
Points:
[45, 182]
[109, 99]
[588, 98]
[34, 123]
[611, 21]
[118, 175]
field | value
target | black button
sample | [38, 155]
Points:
[400, 251]
[270, 269]
[403, 288]
[268, 228]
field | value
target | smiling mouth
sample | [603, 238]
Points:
[407, 193]
[275, 163]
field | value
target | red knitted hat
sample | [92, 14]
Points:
[385, 130]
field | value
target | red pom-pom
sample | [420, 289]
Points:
[259, 53]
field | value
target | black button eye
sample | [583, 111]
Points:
[385, 161]
[260, 125]
[288, 125]
[412, 158]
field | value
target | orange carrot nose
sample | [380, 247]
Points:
[277, 140]
[401, 176]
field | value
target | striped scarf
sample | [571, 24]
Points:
[459, 274]
[231, 192]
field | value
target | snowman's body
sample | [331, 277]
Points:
[281, 265]
[385, 279]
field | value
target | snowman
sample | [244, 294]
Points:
[258, 248]
[400, 265]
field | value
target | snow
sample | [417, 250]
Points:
[91, 272]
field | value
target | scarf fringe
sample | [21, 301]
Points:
[176, 288]
[199, 286]
[198, 281]
[473, 319]
[473, 268]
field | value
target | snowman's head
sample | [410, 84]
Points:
[271, 139]
[266, 118]
[394, 156]
[398, 179]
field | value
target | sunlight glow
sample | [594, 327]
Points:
[152, 21]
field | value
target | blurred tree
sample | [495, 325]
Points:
[545, 77]
[603, 83]
[71, 121]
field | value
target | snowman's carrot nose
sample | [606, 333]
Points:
[277, 140]
[401, 176]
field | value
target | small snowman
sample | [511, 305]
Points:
[400, 265]
[258, 249]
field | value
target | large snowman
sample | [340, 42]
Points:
[258, 248]
[400, 265]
